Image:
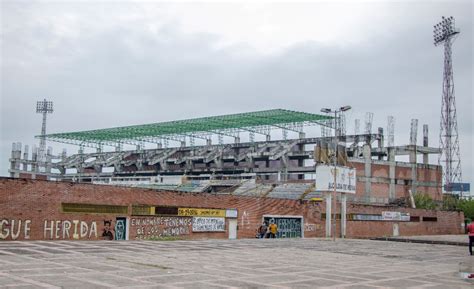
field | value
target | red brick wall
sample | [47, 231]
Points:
[38, 201]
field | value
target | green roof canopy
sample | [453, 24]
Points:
[257, 122]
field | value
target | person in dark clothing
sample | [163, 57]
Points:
[262, 230]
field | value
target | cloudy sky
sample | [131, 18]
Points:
[106, 64]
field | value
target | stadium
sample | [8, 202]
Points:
[231, 170]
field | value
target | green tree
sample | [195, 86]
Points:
[467, 206]
[451, 203]
[424, 201]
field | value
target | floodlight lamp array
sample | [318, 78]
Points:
[444, 30]
[44, 106]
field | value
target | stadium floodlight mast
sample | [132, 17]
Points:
[445, 32]
[336, 142]
[43, 107]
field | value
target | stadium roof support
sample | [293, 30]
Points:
[202, 127]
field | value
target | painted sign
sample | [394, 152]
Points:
[395, 216]
[208, 224]
[197, 212]
[231, 213]
[286, 227]
[158, 227]
[345, 179]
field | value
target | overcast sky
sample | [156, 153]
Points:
[106, 64]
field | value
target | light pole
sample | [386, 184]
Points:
[336, 141]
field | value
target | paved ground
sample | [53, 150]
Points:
[459, 240]
[267, 263]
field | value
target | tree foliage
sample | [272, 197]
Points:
[449, 203]
[467, 206]
[424, 201]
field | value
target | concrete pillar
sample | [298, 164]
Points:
[302, 135]
[15, 159]
[380, 141]
[328, 214]
[237, 139]
[268, 137]
[208, 141]
[425, 143]
[25, 158]
[391, 173]
[284, 168]
[412, 160]
[366, 151]
[49, 156]
[343, 214]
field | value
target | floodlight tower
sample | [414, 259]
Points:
[445, 32]
[43, 107]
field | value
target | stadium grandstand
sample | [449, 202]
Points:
[207, 155]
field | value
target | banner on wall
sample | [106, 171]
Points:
[395, 216]
[197, 212]
[345, 179]
[208, 224]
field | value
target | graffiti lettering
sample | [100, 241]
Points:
[245, 220]
[309, 227]
[158, 227]
[61, 229]
[13, 229]
[208, 224]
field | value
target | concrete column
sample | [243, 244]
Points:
[25, 158]
[48, 158]
[343, 214]
[268, 137]
[328, 214]
[208, 141]
[237, 139]
[412, 160]
[34, 158]
[302, 135]
[15, 159]
[380, 141]
[391, 173]
[366, 151]
[425, 143]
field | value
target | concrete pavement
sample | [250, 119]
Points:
[251, 263]
[457, 240]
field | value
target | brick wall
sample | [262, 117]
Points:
[37, 205]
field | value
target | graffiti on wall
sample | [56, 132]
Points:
[74, 229]
[208, 224]
[309, 227]
[120, 229]
[287, 227]
[107, 233]
[245, 219]
[158, 227]
[14, 229]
